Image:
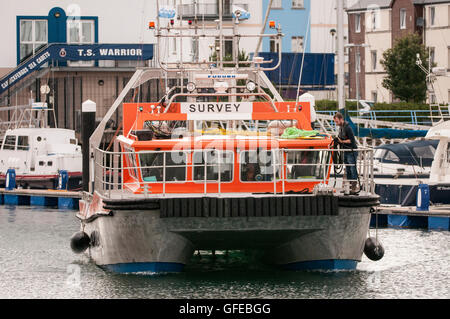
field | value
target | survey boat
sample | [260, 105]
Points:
[219, 164]
[217, 192]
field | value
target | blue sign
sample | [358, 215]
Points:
[76, 52]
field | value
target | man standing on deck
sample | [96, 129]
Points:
[346, 139]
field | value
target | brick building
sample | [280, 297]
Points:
[378, 24]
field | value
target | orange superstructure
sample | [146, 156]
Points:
[222, 163]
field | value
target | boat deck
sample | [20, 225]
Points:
[41, 192]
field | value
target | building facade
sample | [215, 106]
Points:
[375, 26]
[437, 37]
[206, 12]
[35, 25]
[293, 15]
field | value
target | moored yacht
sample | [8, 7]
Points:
[38, 153]
[398, 176]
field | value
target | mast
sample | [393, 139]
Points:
[263, 28]
[340, 57]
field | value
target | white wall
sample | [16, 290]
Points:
[438, 37]
[323, 19]
[119, 21]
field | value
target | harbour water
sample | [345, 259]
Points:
[36, 262]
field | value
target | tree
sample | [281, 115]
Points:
[404, 78]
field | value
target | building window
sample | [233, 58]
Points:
[374, 96]
[80, 31]
[227, 46]
[297, 44]
[297, 4]
[448, 57]
[33, 35]
[357, 23]
[402, 18]
[448, 15]
[375, 19]
[277, 4]
[432, 56]
[374, 60]
[433, 98]
[358, 62]
[274, 46]
[432, 16]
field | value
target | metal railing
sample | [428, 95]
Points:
[415, 117]
[206, 10]
[151, 180]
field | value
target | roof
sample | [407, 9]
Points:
[364, 4]
[425, 2]
[439, 131]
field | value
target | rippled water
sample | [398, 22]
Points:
[36, 262]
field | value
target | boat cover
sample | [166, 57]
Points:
[411, 153]
[381, 132]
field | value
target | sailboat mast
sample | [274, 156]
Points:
[340, 57]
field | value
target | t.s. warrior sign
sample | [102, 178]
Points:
[75, 52]
[218, 111]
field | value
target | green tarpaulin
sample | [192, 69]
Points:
[293, 132]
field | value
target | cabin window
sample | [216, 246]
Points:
[49, 163]
[152, 166]
[10, 142]
[22, 143]
[391, 157]
[73, 141]
[306, 164]
[132, 164]
[257, 166]
[41, 163]
[424, 156]
[216, 162]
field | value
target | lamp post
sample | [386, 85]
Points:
[333, 32]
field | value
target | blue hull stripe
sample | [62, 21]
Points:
[328, 264]
[151, 267]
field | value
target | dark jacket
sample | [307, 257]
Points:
[346, 133]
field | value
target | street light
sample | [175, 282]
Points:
[333, 32]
